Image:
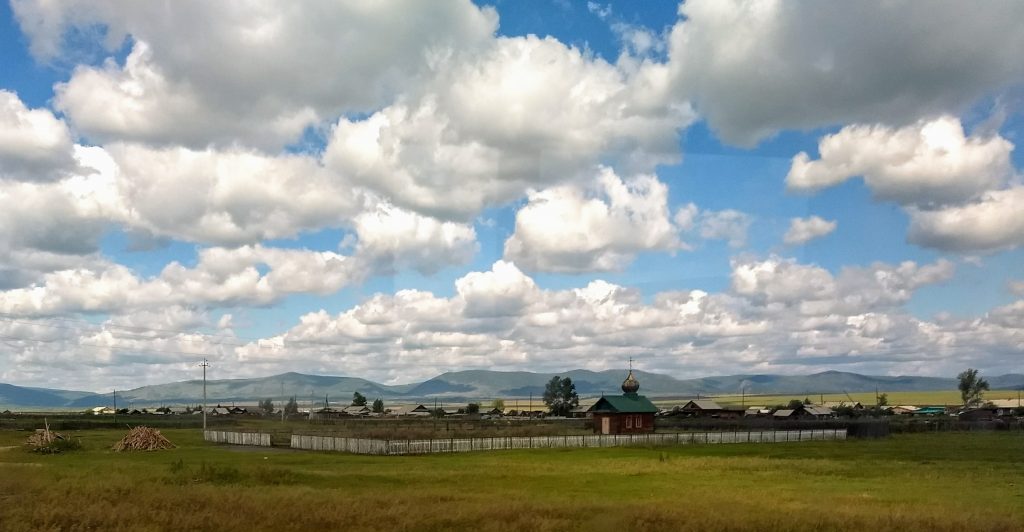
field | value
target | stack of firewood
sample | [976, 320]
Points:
[143, 439]
[43, 437]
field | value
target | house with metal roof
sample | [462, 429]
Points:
[408, 410]
[356, 410]
[818, 411]
[1007, 407]
[709, 408]
[624, 414]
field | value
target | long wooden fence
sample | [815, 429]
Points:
[455, 445]
[260, 439]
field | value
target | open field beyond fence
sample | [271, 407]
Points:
[939, 481]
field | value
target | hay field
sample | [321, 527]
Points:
[913, 482]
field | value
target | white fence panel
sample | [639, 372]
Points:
[237, 438]
[452, 445]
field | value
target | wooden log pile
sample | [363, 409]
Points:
[43, 437]
[143, 439]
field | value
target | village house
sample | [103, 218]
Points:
[624, 414]
[981, 413]
[818, 412]
[1007, 407]
[930, 411]
[804, 412]
[356, 410]
[708, 408]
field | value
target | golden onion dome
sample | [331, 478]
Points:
[630, 385]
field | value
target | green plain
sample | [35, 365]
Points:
[943, 481]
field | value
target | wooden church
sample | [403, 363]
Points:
[624, 414]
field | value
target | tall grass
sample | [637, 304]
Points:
[908, 482]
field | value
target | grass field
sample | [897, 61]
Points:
[947, 481]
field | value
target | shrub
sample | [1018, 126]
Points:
[59, 446]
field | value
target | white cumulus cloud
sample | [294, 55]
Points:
[34, 144]
[524, 113]
[753, 68]
[932, 161]
[255, 70]
[803, 230]
[571, 229]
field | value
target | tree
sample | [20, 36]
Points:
[292, 408]
[560, 396]
[883, 400]
[971, 386]
[473, 408]
[807, 400]
[358, 399]
[499, 404]
[795, 404]
[378, 405]
[267, 406]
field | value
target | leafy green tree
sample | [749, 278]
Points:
[473, 408]
[795, 404]
[883, 400]
[292, 408]
[560, 396]
[378, 405]
[358, 399]
[807, 400]
[267, 406]
[499, 404]
[971, 386]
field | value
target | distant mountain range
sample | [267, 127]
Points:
[477, 384]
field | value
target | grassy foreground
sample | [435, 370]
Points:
[947, 481]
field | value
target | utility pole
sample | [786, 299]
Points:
[115, 406]
[743, 396]
[204, 365]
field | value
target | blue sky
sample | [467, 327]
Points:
[536, 185]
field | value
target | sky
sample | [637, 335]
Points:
[396, 189]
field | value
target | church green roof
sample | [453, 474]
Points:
[629, 403]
